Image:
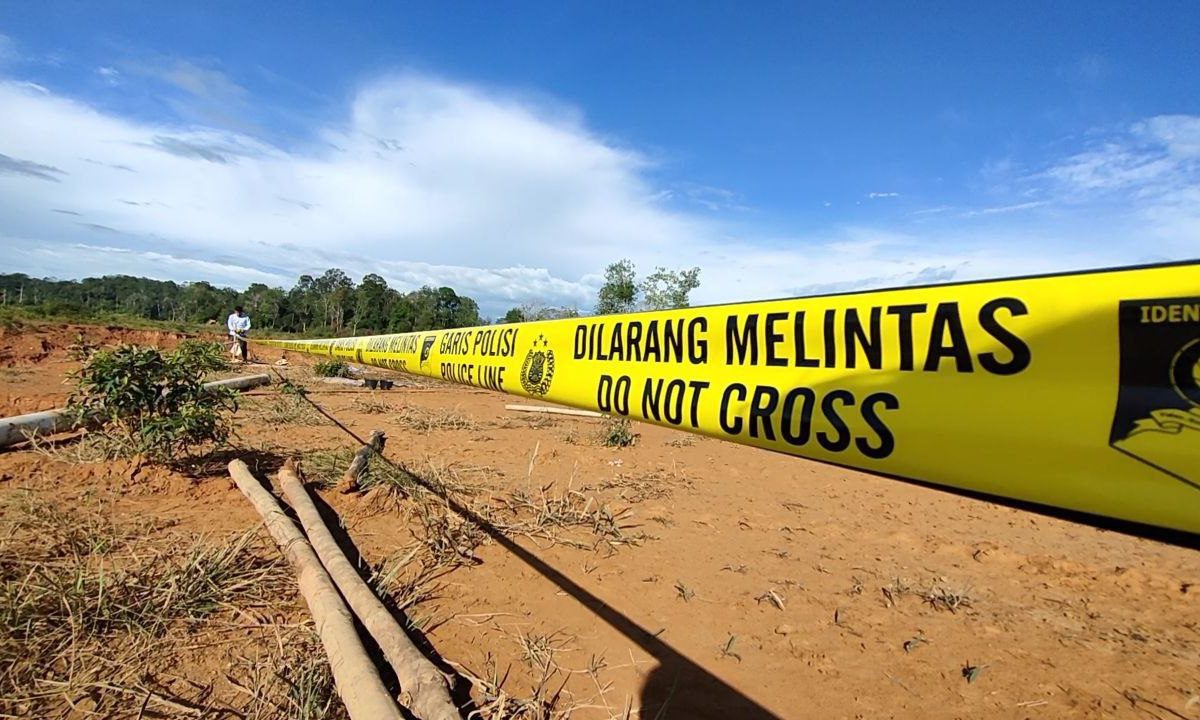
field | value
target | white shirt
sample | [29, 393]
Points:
[237, 325]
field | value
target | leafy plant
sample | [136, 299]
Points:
[618, 432]
[204, 354]
[153, 403]
[332, 368]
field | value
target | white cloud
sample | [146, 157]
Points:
[878, 195]
[1155, 156]
[425, 181]
[8, 49]
[200, 81]
[110, 75]
[711, 198]
[1147, 176]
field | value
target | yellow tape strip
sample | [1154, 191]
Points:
[1078, 391]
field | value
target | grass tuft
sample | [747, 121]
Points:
[85, 603]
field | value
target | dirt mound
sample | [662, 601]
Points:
[35, 360]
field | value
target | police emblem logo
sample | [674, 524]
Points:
[1157, 418]
[426, 348]
[537, 371]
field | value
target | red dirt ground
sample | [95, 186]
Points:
[768, 585]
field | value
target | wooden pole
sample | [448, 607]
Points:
[354, 675]
[349, 482]
[428, 696]
[554, 410]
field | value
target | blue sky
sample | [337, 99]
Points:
[512, 151]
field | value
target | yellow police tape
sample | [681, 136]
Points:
[1080, 391]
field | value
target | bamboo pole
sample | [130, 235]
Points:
[425, 687]
[354, 675]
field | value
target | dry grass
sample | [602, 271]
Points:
[291, 679]
[90, 608]
[287, 408]
[373, 406]
[419, 419]
[636, 489]
[496, 702]
[558, 516]
[939, 594]
[86, 449]
[407, 584]
[449, 538]
[941, 597]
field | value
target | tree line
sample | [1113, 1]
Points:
[327, 303]
[330, 303]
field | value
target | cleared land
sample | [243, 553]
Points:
[560, 577]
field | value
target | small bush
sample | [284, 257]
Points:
[332, 368]
[203, 354]
[153, 404]
[618, 432]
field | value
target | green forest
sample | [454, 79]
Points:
[328, 303]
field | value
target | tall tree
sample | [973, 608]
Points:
[619, 292]
[668, 289]
[538, 311]
[372, 304]
[336, 291]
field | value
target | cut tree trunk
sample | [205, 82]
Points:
[426, 692]
[354, 675]
[349, 481]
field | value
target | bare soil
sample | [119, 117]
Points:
[682, 577]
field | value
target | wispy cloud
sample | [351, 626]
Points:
[110, 75]
[1161, 154]
[212, 150]
[16, 166]
[204, 82]
[1088, 69]
[879, 195]
[711, 198]
[1001, 209]
[8, 49]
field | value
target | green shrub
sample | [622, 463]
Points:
[152, 404]
[332, 368]
[206, 355]
[618, 432]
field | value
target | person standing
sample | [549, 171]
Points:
[239, 327]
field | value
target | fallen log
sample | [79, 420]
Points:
[20, 428]
[427, 694]
[354, 675]
[554, 410]
[349, 481]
